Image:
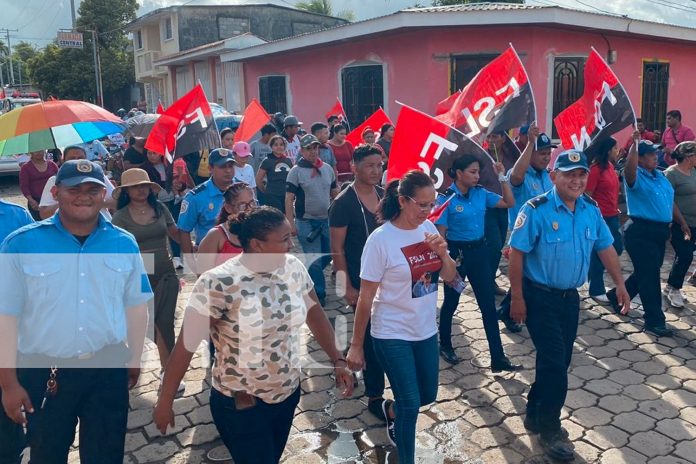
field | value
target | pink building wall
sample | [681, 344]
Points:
[417, 66]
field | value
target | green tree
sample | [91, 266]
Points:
[324, 7]
[69, 73]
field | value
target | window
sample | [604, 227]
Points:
[654, 101]
[568, 84]
[168, 28]
[363, 91]
[465, 67]
[139, 40]
[273, 94]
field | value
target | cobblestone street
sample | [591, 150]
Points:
[632, 398]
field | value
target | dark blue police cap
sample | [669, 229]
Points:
[76, 172]
[569, 160]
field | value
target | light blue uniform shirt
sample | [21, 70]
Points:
[200, 208]
[557, 242]
[650, 197]
[70, 298]
[534, 184]
[12, 217]
[465, 214]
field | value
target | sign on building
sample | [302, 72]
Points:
[69, 39]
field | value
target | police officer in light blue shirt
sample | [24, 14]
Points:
[551, 245]
[73, 315]
[529, 177]
[649, 198]
[12, 217]
[462, 224]
[201, 206]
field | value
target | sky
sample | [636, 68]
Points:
[38, 20]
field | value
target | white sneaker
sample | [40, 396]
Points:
[668, 288]
[219, 454]
[601, 299]
[178, 264]
[676, 298]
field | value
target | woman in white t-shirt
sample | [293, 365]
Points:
[244, 172]
[399, 270]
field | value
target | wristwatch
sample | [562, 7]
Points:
[503, 178]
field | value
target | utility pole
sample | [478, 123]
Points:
[72, 13]
[9, 48]
[97, 67]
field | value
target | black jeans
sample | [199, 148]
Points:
[645, 243]
[256, 435]
[373, 374]
[97, 397]
[495, 230]
[11, 439]
[683, 255]
[474, 265]
[552, 321]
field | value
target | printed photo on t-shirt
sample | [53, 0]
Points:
[424, 264]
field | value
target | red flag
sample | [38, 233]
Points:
[376, 121]
[182, 128]
[338, 111]
[498, 98]
[160, 108]
[425, 143]
[603, 109]
[438, 210]
[255, 117]
[2, 93]
[445, 105]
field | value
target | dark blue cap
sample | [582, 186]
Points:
[220, 157]
[569, 160]
[645, 147]
[543, 142]
[76, 172]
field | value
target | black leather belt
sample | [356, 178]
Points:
[547, 289]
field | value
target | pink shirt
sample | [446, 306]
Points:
[673, 137]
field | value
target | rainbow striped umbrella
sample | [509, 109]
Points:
[54, 124]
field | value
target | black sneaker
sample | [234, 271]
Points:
[532, 427]
[449, 355]
[374, 405]
[511, 325]
[659, 330]
[556, 447]
[391, 432]
[504, 364]
[613, 302]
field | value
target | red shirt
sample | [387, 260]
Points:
[645, 135]
[32, 181]
[344, 155]
[603, 187]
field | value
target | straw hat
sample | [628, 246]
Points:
[133, 177]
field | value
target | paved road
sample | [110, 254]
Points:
[632, 399]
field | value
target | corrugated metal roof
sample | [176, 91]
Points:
[484, 6]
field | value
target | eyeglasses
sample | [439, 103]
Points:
[246, 206]
[425, 207]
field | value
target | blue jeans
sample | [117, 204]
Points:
[596, 274]
[412, 369]
[256, 435]
[320, 245]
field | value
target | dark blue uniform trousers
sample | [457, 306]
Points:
[552, 321]
[97, 397]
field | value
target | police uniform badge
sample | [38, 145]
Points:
[84, 166]
[211, 206]
[554, 225]
[184, 206]
[520, 221]
[573, 157]
[459, 208]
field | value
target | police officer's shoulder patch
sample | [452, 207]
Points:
[184, 206]
[538, 201]
[521, 220]
[590, 200]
